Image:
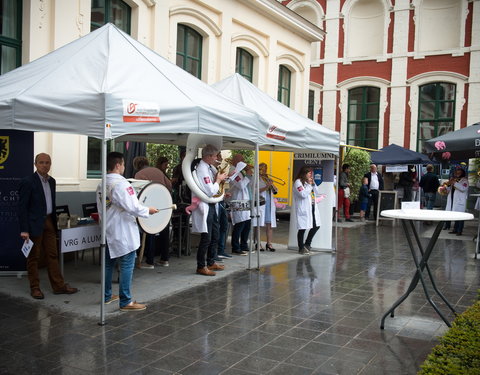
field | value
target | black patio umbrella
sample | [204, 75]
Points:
[394, 154]
[458, 145]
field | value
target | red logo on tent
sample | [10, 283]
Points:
[130, 190]
[206, 179]
[132, 107]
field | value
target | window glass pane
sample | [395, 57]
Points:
[427, 130]
[8, 59]
[98, 13]
[180, 60]
[94, 154]
[355, 112]
[444, 128]
[181, 39]
[193, 45]
[192, 67]
[446, 109]
[371, 130]
[356, 95]
[371, 143]
[311, 104]
[9, 18]
[427, 110]
[373, 95]
[447, 91]
[120, 15]
[427, 92]
[372, 111]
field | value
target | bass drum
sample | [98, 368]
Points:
[153, 194]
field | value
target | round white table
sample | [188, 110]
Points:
[407, 218]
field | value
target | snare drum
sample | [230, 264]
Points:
[153, 194]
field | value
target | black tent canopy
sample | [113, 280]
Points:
[394, 154]
[458, 145]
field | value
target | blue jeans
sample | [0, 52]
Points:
[223, 227]
[430, 200]
[240, 235]
[126, 263]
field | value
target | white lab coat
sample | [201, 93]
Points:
[303, 204]
[206, 179]
[239, 190]
[477, 203]
[459, 197]
[263, 194]
[122, 209]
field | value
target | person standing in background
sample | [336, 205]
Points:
[343, 195]
[38, 222]
[429, 183]
[363, 197]
[239, 189]
[375, 183]
[457, 198]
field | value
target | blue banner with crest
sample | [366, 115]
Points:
[16, 162]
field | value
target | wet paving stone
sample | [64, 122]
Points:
[315, 315]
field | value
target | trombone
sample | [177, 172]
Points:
[276, 180]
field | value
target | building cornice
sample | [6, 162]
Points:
[287, 18]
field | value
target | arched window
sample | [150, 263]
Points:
[189, 50]
[284, 85]
[118, 13]
[436, 111]
[363, 116]
[365, 28]
[10, 35]
[114, 11]
[244, 64]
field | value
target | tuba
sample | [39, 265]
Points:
[194, 142]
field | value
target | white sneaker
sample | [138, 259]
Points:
[163, 263]
[146, 266]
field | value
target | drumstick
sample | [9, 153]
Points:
[172, 207]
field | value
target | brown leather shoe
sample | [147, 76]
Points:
[37, 293]
[67, 289]
[216, 267]
[205, 272]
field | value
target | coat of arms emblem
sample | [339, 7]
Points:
[4, 149]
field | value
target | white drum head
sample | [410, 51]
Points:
[158, 196]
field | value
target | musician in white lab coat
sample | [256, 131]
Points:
[123, 238]
[305, 192]
[457, 198]
[267, 212]
[205, 217]
[240, 190]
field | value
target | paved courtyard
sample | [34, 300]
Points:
[295, 315]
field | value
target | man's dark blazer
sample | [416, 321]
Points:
[380, 179]
[32, 205]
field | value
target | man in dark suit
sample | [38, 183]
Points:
[38, 222]
[375, 183]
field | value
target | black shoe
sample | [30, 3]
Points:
[269, 247]
[459, 233]
[452, 232]
[349, 220]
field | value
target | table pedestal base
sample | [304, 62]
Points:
[420, 266]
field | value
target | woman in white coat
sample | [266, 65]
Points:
[267, 214]
[457, 198]
[307, 213]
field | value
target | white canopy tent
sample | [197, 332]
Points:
[287, 129]
[91, 86]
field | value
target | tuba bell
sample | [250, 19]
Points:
[194, 142]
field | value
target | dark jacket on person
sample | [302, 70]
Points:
[32, 207]
[363, 194]
[406, 179]
[380, 179]
[429, 182]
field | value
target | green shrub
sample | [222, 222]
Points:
[459, 350]
[359, 161]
